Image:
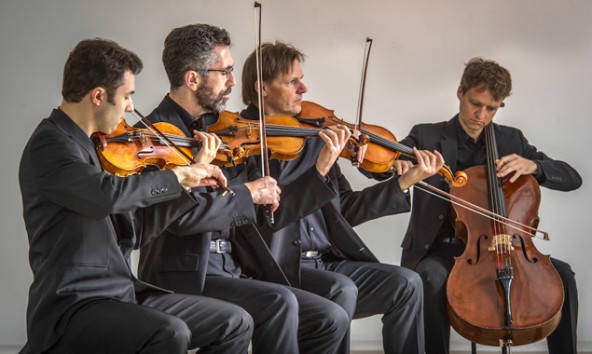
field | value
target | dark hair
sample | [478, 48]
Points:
[275, 59]
[191, 48]
[97, 62]
[489, 75]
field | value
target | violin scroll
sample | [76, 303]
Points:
[458, 180]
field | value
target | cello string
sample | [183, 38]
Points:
[495, 200]
[492, 195]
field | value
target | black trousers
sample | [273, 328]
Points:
[163, 323]
[365, 289]
[434, 270]
[287, 320]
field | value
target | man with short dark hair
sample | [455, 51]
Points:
[206, 255]
[82, 224]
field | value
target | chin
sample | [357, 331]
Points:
[296, 110]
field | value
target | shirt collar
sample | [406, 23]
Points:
[464, 138]
[189, 120]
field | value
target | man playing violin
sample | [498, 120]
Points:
[320, 252]
[430, 243]
[82, 224]
[204, 253]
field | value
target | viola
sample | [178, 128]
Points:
[501, 289]
[128, 150]
[383, 148]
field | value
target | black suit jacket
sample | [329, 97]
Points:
[178, 260]
[304, 191]
[82, 224]
[428, 212]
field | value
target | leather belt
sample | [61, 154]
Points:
[220, 246]
[311, 254]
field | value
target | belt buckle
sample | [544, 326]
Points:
[218, 248]
[311, 254]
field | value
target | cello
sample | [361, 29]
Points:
[501, 288]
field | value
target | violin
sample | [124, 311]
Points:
[286, 137]
[128, 150]
[383, 148]
[501, 289]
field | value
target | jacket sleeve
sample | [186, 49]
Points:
[66, 178]
[380, 199]
[553, 174]
[214, 212]
[304, 195]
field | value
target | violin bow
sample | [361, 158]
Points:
[438, 193]
[358, 122]
[261, 103]
[188, 160]
[427, 188]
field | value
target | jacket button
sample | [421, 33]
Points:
[427, 246]
[440, 216]
[164, 190]
[297, 243]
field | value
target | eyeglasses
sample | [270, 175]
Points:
[224, 72]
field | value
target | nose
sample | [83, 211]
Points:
[303, 88]
[482, 113]
[130, 106]
[231, 79]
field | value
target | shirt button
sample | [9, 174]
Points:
[427, 246]
[311, 229]
[440, 216]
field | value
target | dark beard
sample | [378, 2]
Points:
[207, 102]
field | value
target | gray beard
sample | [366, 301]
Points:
[209, 103]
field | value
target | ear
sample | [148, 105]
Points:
[192, 79]
[264, 88]
[459, 92]
[98, 96]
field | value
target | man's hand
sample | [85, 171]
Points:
[265, 191]
[516, 164]
[400, 167]
[199, 175]
[428, 164]
[335, 138]
[209, 146]
[361, 149]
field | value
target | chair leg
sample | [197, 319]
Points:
[473, 348]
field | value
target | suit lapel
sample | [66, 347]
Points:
[449, 143]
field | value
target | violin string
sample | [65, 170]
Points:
[175, 151]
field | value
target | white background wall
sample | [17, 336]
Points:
[419, 51]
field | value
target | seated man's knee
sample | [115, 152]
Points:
[175, 331]
[337, 317]
[283, 299]
[344, 292]
[432, 274]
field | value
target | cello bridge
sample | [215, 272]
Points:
[501, 241]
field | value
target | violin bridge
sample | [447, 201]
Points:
[249, 130]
